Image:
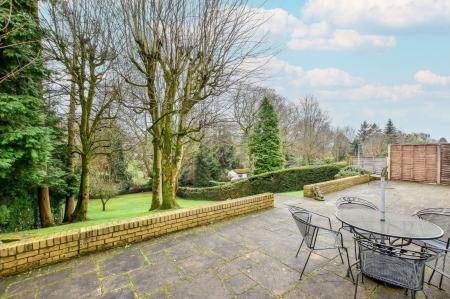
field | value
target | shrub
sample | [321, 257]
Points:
[4, 215]
[216, 183]
[350, 171]
[291, 179]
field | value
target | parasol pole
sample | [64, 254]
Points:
[383, 198]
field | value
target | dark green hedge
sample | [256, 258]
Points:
[291, 179]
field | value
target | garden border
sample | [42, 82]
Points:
[335, 185]
[27, 254]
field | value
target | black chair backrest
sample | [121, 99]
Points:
[395, 265]
[438, 216]
[351, 202]
[308, 230]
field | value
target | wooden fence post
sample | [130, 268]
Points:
[389, 162]
[438, 164]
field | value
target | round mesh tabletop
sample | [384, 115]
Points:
[395, 224]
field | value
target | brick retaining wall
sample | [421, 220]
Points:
[335, 185]
[24, 255]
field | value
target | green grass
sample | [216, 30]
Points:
[118, 208]
[294, 193]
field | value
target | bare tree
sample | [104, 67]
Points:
[341, 142]
[375, 145]
[313, 126]
[81, 39]
[187, 51]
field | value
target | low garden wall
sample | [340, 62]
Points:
[291, 179]
[24, 255]
[335, 185]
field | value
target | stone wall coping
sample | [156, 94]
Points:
[336, 185]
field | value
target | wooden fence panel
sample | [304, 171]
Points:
[445, 163]
[413, 162]
[395, 162]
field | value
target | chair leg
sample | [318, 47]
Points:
[306, 263]
[443, 270]
[340, 254]
[434, 270]
[413, 294]
[356, 285]
[299, 247]
[349, 268]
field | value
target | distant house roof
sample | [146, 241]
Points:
[241, 170]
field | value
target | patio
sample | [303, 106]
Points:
[247, 257]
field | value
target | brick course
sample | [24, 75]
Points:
[335, 185]
[26, 254]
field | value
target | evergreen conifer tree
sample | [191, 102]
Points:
[265, 141]
[119, 165]
[207, 167]
[390, 132]
[364, 131]
[25, 147]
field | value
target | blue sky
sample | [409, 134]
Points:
[364, 60]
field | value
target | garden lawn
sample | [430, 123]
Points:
[118, 208]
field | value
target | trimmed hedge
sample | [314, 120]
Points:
[291, 179]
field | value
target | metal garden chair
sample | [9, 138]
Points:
[390, 264]
[317, 237]
[440, 217]
[352, 202]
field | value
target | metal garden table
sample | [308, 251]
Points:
[395, 225]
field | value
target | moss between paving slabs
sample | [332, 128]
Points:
[118, 208]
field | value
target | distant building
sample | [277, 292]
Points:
[236, 174]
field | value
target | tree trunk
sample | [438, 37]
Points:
[103, 205]
[168, 201]
[45, 211]
[156, 176]
[83, 197]
[168, 166]
[68, 210]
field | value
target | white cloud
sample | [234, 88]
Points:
[330, 77]
[389, 13]
[426, 77]
[375, 92]
[278, 23]
[318, 37]
[275, 21]
[280, 72]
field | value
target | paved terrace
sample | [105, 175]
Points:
[247, 257]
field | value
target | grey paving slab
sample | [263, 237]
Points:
[274, 276]
[125, 293]
[256, 293]
[122, 262]
[115, 282]
[206, 285]
[151, 279]
[251, 256]
[240, 283]
[84, 286]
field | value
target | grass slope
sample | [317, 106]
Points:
[118, 208]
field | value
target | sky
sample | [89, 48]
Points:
[363, 60]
